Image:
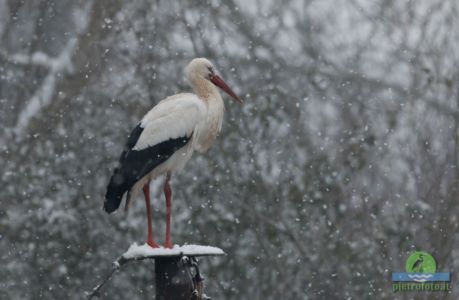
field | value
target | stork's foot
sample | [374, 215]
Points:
[152, 243]
[168, 244]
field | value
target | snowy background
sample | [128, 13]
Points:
[343, 159]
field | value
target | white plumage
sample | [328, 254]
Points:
[180, 114]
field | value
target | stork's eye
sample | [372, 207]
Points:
[211, 71]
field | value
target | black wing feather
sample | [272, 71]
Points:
[135, 164]
[131, 141]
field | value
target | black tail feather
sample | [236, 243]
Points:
[115, 191]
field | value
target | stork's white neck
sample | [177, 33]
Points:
[204, 89]
[211, 126]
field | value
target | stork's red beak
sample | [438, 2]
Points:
[218, 81]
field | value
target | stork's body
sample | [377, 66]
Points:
[166, 138]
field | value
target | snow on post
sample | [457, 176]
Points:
[177, 274]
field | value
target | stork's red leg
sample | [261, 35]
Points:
[168, 194]
[146, 193]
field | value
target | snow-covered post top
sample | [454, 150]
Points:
[145, 251]
[177, 275]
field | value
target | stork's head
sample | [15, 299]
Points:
[202, 69]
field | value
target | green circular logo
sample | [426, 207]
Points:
[420, 262]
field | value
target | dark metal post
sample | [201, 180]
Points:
[177, 272]
[173, 279]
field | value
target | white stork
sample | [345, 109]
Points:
[165, 139]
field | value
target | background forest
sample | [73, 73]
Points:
[343, 159]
